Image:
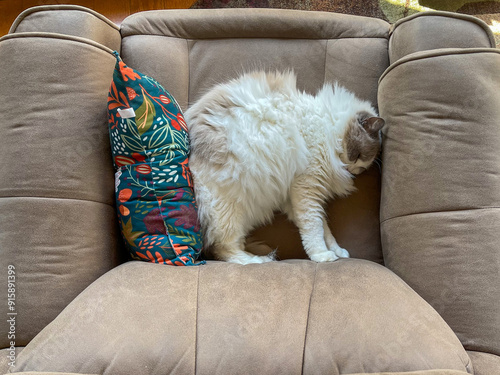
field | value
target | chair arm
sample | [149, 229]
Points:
[440, 205]
[69, 20]
[433, 30]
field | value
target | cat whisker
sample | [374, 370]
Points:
[378, 162]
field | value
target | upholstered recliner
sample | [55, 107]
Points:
[421, 293]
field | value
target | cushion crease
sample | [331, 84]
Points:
[440, 211]
[308, 315]
[60, 198]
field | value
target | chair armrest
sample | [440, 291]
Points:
[69, 20]
[440, 204]
[434, 30]
[57, 218]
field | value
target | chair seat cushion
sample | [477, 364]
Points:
[289, 317]
[429, 372]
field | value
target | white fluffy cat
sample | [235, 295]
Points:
[259, 145]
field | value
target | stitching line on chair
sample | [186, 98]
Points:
[308, 314]
[439, 212]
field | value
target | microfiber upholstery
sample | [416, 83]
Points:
[440, 215]
[71, 20]
[433, 30]
[484, 363]
[289, 317]
[57, 221]
[440, 209]
[153, 183]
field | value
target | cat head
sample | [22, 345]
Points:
[361, 142]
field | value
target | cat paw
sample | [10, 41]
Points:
[340, 252]
[326, 256]
[250, 259]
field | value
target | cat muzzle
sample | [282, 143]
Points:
[356, 170]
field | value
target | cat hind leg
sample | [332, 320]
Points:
[235, 253]
[229, 240]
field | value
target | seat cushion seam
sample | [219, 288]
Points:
[307, 318]
[58, 198]
[439, 212]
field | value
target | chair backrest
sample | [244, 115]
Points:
[190, 51]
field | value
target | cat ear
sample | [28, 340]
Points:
[373, 125]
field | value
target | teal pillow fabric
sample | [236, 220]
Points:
[153, 185]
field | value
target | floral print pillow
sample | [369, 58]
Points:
[153, 185]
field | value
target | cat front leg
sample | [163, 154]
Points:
[312, 234]
[331, 242]
[308, 215]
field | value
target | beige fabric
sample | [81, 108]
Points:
[170, 66]
[253, 319]
[58, 246]
[76, 39]
[434, 30]
[357, 64]
[6, 358]
[429, 372]
[485, 363]
[252, 23]
[375, 323]
[69, 20]
[219, 60]
[58, 225]
[196, 49]
[288, 317]
[440, 189]
[54, 95]
[451, 147]
[451, 259]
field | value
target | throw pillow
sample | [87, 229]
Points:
[153, 185]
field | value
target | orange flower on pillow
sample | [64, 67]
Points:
[128, 72]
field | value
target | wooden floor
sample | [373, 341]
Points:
[115, 10]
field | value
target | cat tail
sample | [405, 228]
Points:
[256, 247]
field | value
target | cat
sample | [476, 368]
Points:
[259, 145]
